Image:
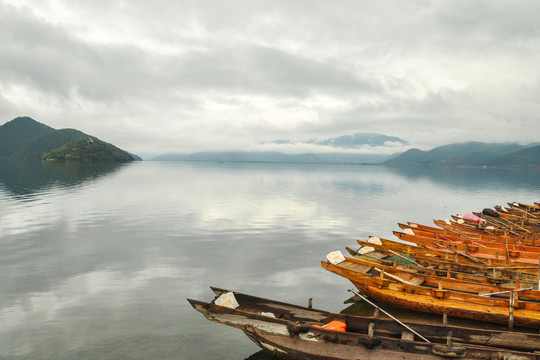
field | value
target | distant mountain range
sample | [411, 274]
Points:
[24, 138]
[269, 156]
[472, 154]
[339, 144]
[350, 141]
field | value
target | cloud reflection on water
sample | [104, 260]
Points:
[111, 261]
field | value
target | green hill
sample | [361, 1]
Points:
[34, 148]
[17, 132]
[88, 149]
[23, 138]
[471, 154]
[529, 157]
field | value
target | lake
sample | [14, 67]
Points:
[98, 260]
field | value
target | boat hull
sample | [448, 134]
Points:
[438, 301]
[289, 334]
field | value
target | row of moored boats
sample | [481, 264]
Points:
[479, 269]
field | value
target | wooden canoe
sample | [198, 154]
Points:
[471, 230]
[423, 277]
[447, 254]
[496, 227]
[470, 273]
[516, 211]
[532, 208]
[510, 219]
[437, 300]
[510, 245]
[456, 237]
[508, 236]
[477, 249]
[507, 221]
[287, 330]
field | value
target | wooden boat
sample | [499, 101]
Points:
[493, 229]
[510, 221]
[527, 207]
[506, 221]
[449, 254]
[494, 244]
[290, 332]
[425, 278]
[458, 271]
[439, 300]
[471, 230]
[516, 211]
[447, 235]
[516, 214]
[484, 235]
[499, 226]
[478, 249]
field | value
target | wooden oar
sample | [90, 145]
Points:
[506, 292]
[458, 233]
[397, 278]
[464, 255]
[510, 224]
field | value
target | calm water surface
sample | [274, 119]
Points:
[97, 261]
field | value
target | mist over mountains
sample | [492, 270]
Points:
[470, 154]
[353, 141]
[23, 138]
[355, 148]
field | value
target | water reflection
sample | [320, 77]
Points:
[22, 178]
[101, 269]
[472, 178]
[263, 355]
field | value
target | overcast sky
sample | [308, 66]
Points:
[162, 76]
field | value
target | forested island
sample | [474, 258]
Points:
[24, 138]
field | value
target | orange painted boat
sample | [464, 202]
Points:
[493, 276]
[476, 250]
[496, 244]
[516, 211]
[471, 230]
[444, 254]
[483, 246]
[528, 207]
[430, 231]
[510, 221]
[438, 300]
[467, 233]
[505, 221]
[410, 274]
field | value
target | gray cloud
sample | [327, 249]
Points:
[186, 76]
